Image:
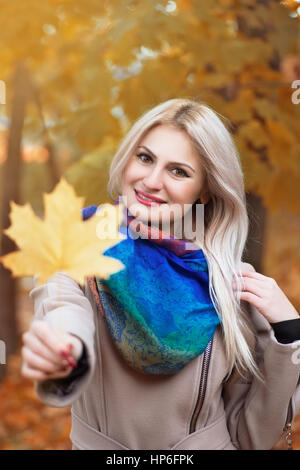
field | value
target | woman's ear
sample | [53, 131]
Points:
[204, 193]
[203, 199]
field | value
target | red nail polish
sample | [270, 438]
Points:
[68, 358]
[64, 354]
[71, 362]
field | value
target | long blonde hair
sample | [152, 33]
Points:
[225, 216]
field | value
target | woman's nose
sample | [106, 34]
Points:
[153, 180]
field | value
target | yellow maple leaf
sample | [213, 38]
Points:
[63, 241]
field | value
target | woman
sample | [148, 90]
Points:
[187, 347]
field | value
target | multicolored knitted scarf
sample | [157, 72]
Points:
[158, 310]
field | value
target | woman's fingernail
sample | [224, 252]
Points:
[64, 354]
[72, 363]
[68, 358]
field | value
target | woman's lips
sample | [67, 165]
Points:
[146, 202]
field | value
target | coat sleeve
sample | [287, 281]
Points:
[257, 411]
[62, 303]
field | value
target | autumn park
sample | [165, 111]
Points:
[74, 77]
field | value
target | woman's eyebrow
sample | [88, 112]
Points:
[173, 163]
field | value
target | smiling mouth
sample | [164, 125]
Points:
[146, 200]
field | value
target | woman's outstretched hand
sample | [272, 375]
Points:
[48, 353]
[264, 293]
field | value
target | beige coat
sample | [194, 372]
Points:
[115, 407]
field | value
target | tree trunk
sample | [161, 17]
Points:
[24, 90]
[256, 237]
[53, 170]
[11, 185]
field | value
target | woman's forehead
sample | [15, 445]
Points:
[169, 143]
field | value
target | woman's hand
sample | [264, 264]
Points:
[48, 353]
[264, 293]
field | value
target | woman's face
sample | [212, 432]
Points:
[166, 166]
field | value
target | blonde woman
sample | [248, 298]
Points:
[187, 347]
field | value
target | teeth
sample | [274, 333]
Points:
[146, 198]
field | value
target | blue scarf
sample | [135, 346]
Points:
[158, 310]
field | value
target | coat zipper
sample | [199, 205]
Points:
[201, 395]
[202, 386]
[288, 427]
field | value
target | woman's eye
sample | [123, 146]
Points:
[140, 155]
[182, 172]
[146, 158]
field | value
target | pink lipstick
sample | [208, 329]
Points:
[147, 199]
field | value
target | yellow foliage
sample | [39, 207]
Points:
[282, 142]
[90, 174]
[258, 73]
[184, 5]
[63, 241]
[171, 51]
[89, 57]
[284, 182]
[241, 108]
[254, 132]
[254, 170]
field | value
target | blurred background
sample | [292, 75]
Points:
[74, 76]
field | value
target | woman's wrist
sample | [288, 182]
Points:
[287, 331]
